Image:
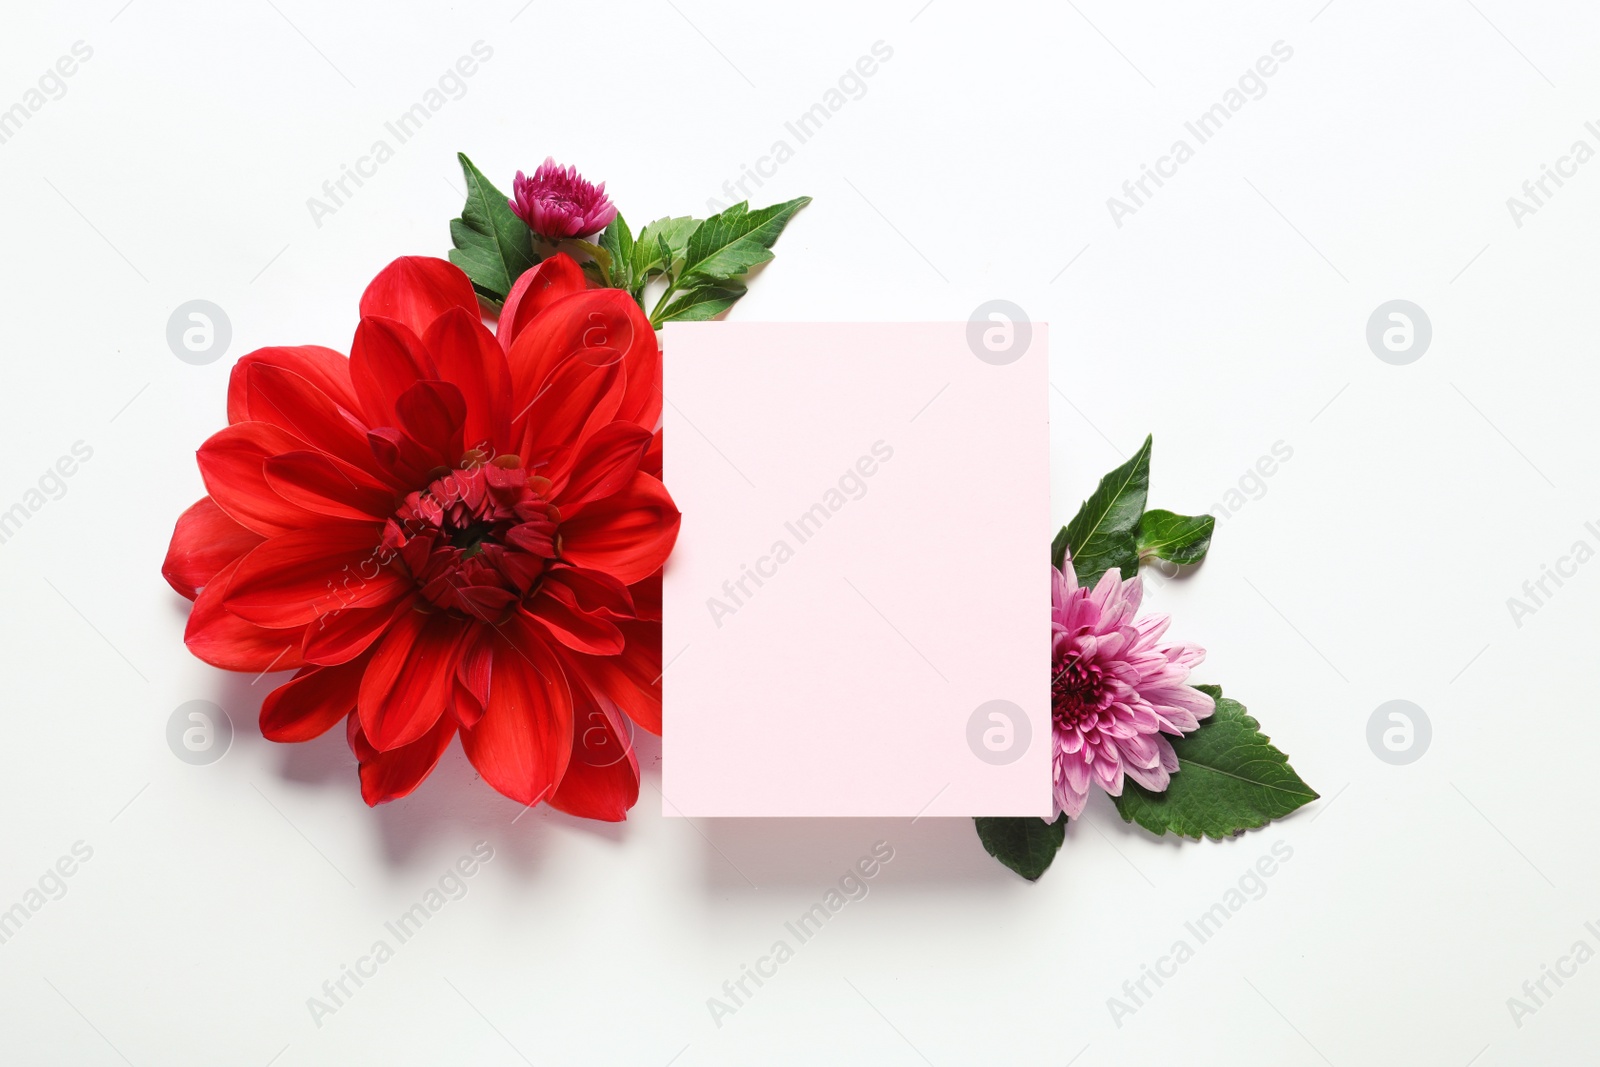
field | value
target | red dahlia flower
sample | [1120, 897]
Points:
[448, 532]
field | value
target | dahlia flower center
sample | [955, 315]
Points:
[470, 538]
[1078, 692]
[476, 540]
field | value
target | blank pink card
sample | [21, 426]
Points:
[856, 616]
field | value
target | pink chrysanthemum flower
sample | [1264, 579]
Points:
[1115, 688]
[557, 202]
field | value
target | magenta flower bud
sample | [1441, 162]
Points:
[557, 202]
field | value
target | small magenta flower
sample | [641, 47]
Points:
[1116, 687]
[557, 202]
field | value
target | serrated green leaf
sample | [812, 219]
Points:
[1230, 779]
[492, 245]
[1104, 532]
[730, 243]
[705, 302]
[1182, 539]
[662, 244]
[1026, 845]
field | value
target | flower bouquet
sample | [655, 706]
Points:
[459, 529]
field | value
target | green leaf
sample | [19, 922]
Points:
[661, 245]
[1230, 779]
[616, 240]
[1026, 845]
[1058, 548]
[1104, 533]
[597, 268]
[492, 245]
[705, 302]
[1181, 539]
[730, 243]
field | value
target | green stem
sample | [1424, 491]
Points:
[661, 305]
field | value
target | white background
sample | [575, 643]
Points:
[1226, 315]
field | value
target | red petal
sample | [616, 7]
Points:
[467, 357]
[473, 673]
[646, 597]
[204, 541]
[465, 708]
[387, 776]
[535, 290]
[596, 324]
[579, 398]
[641, 360]
[233, 466]
[596, 593]
[408, 682]
[612, 328]
[652, 462]
[293, 403]
[628, 536]
[523, 743]
[605, 465]
[359, 745]
[311, 702]
[415, 290]
[607, 325]
[318, 482]
[294, 578]
[224, 640]
[477, 665]
[345, 633]
[401, 458]
[327, 370]
[602, 779]
[432, 414]
[386, 359]
[632, 680]
[557, 609]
